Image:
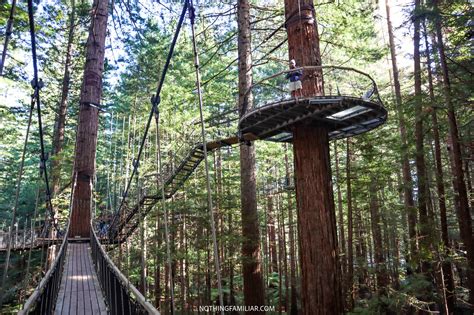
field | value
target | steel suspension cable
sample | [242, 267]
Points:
[8, 33]
[16, 201]
[155, 102]
[165, 210]
[37, 86]
[206, 164]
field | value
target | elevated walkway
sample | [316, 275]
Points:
[130, 218]
[80, 292]
[84, 280]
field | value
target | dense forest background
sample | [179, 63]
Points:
[404, 204]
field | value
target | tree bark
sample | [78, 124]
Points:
[407, 179]
[60, 121]
[291, 232]
[342, 238]
[272, 243]
[446, 267]
[8, 34]
[320, 271]
[350, 229]
[91, 92]
[380, 267]
[464, 215]
[425, 220]
[251, 258]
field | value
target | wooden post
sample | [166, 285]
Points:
[320, 279]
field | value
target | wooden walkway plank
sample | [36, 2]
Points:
[80, 293]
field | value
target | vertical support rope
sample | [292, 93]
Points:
[206, 164]
[165, 210]
[37, 86]
[15, 206]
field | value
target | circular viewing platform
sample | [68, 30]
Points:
[351, 106]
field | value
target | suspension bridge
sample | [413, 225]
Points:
[82, 278]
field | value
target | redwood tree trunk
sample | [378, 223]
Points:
[320, 271]
[8, 33]
[380, 267]
[293, 298]
[350, 230]
[425, 220]
[464, 215]
[342, 239]
[446, 268]
[272, 243]
[91, 92]
[60, 121]
[407, 179]
[251, 257]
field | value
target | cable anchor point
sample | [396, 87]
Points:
[37, 83]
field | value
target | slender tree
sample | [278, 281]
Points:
[350, 228]
[407, 179]
[251, 259]
[60, 121]
[425, 226]
[8, 34]
[446, 268]
[464, 215]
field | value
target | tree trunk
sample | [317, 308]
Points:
[425, 226]
[8, 34]
[446, 267]
[60, 120]
[350, 230]
[320, 271]
[251, 259]
[407, 179]
[464, 215]
[342, 238]
[293, 297]
[380, 267]
[272, 243]
[91, 92]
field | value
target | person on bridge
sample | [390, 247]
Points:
[295, 85]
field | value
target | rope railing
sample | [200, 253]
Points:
[43, 298]
[121, 296]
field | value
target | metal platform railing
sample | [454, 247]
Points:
[121, 296]
[335, 80]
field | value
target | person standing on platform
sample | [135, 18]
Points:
[295, 85]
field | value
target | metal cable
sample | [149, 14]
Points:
[37, 86]
[204, 147]
[155, 102]
[16, 201]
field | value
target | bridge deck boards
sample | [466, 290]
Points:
[80, 292]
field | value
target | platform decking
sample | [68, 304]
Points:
[80, 291]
